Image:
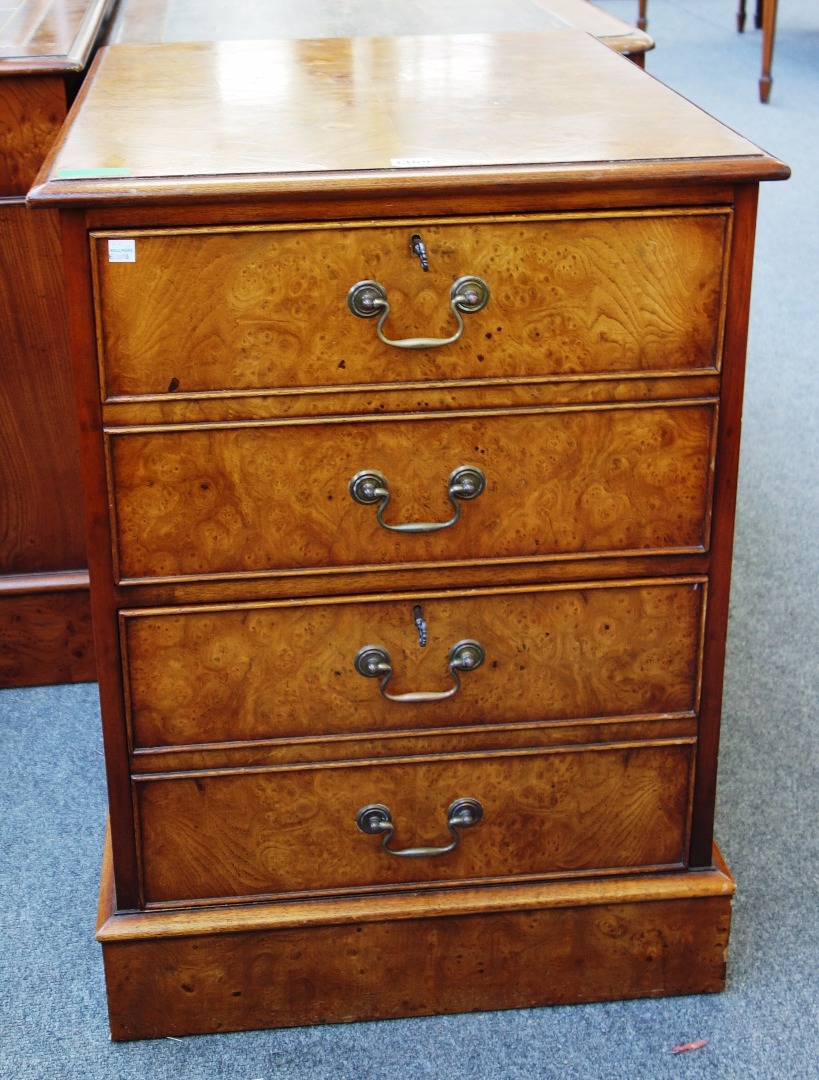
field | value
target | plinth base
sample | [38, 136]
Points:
[204, 970]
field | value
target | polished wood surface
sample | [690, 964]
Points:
[294, 831]
[722, 529]
[285, 671]
[266, 498]
[45, 629]
[55, 36]
[32, 108]
[160, 988]
[455, 739]
[266, 308]
[261, 966]
[151, 21]
[39, 463]
[374, 113]
[235, 577]
[44, 603]
[175, 921]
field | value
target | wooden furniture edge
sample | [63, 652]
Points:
[113, 927]
[723, 521]
[618, 35]
[45, 629]
[56, 581]
[485, 180]
[77, 55]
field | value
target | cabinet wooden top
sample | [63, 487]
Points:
[48, 36]
[233, 120]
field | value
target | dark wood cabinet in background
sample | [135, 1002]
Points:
[45, 627]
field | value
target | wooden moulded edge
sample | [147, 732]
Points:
[114, 927]
[48, 581]
[483, 180]
[45, 629]
[77, 52]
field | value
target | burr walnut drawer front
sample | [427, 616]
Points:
[522, 813]
[306, 669]
[189, 312]
[199, 501]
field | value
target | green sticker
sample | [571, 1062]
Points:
[91, 174]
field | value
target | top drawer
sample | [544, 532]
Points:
[255, 308]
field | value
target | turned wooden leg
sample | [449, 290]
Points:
[768, 34]
[642, 20]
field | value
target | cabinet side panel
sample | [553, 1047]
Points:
[32, 109]
[722, 536]
[41, 524]
[103, 599]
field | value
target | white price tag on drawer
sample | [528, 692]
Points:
[121, 251]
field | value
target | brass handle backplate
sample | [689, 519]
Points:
[376, 819]
[367, 299]
[373, 662]
[369, 487]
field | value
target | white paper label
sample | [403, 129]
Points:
[411, 162]
[122, 251]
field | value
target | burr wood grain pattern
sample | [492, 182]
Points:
[235, 577]
[45, 629]
[256, 499]
[564, 811]
[264, 308]
[284, 671]
[545, 944]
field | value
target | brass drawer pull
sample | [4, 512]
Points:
[367, 299]
[376, 818]
[373, 662]
[369, 486]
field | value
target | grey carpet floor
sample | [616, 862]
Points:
[52, 799]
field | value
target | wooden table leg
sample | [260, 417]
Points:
[768, 34]
[642, 20]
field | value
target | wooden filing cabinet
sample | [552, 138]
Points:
[410, 441]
